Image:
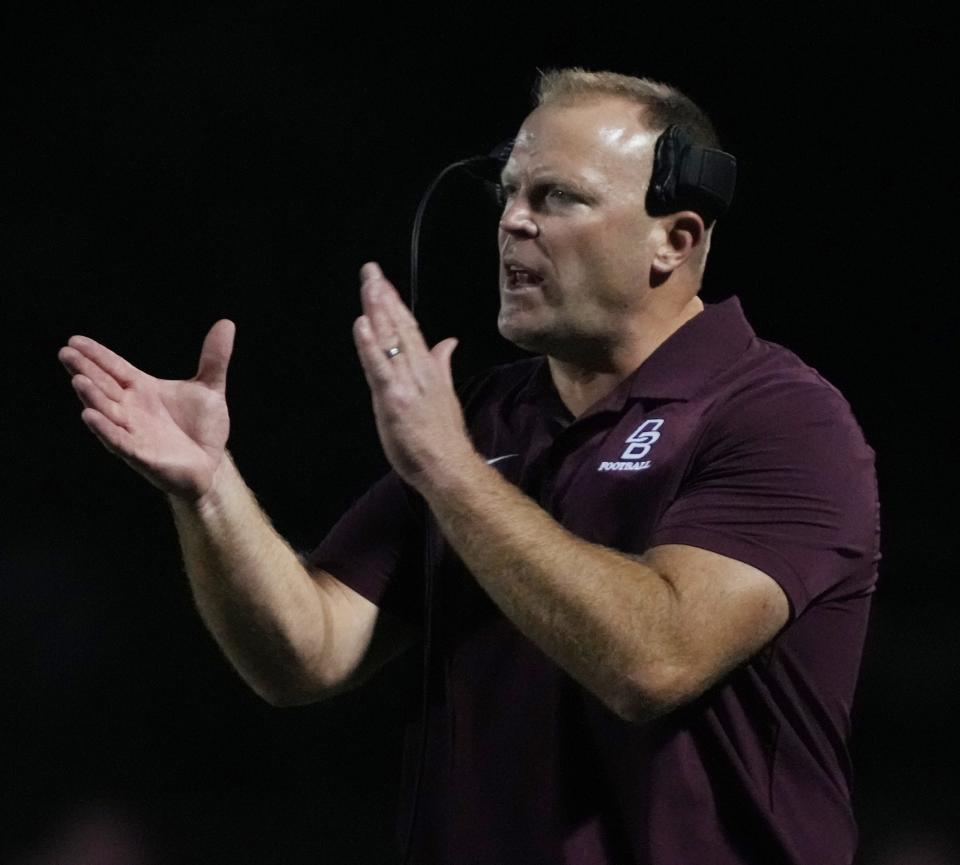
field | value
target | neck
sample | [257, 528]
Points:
[582, 383]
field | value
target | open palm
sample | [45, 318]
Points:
[174, 433]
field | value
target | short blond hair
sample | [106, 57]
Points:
[664, 105]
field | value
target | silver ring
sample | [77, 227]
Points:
[391, 353]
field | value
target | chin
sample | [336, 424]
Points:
[526, 337]
[570, 345]
[536, 341]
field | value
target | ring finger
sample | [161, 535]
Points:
[384, 329]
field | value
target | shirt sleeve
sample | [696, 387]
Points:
[376, 548]
[785, 482]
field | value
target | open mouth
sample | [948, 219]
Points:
[520, 277]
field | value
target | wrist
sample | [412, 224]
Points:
[211, 501]
[457, 476]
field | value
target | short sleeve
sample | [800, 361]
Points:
[376, 546]
[785, 482]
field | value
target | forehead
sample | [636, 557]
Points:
[595, 138]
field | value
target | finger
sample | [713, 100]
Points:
[395, 310]
[123, 371]
[371, 270]
[443, 353]
[398, 310]
[215, 354]
[376, 367]
[381, 303]
[92, 397]
[77, 364]
[405, 324]
[381, 325]
[114, 438]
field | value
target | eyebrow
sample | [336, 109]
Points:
[549, 176]
[545, 175]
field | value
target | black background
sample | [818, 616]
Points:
[168, 168]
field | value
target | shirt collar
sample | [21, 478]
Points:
[694, 353]
[679, 367]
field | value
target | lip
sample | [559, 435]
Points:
[519, 290]
[511, 265]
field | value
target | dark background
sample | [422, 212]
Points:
[168, 168]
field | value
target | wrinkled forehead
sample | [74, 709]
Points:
[600, 135]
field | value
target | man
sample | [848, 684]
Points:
[652, 548]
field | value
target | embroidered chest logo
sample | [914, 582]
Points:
[639, 443]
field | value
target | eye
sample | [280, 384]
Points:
[503, 192]
[559, 195]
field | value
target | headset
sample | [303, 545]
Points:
[685, 176]
[688, 176]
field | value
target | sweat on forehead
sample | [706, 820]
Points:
[609, 124]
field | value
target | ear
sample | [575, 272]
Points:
[684, 234]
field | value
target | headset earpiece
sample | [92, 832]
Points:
[687, 176]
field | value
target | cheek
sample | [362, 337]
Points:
[605, 262]
[617, 272]
[625, 253]
[612, 261]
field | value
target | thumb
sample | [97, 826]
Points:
[443, 351]
[215, 354]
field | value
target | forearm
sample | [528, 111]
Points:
[607, 619]
[643, 635]
[253, 593]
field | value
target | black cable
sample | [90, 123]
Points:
[486, 168]
[429, 564]
[418, 220]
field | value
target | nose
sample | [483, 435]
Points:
[518, 220]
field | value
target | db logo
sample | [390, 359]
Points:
[642, 439]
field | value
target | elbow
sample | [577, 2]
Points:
[289, 699]
[285, 699]
[655, 691]
[288, 694]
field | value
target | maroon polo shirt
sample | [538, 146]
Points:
[719, 440]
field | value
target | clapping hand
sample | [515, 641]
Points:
[418, 415]
[174, 433]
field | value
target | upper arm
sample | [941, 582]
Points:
[777, 509]
[359, 637]
[720, 613]
[783, 481]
